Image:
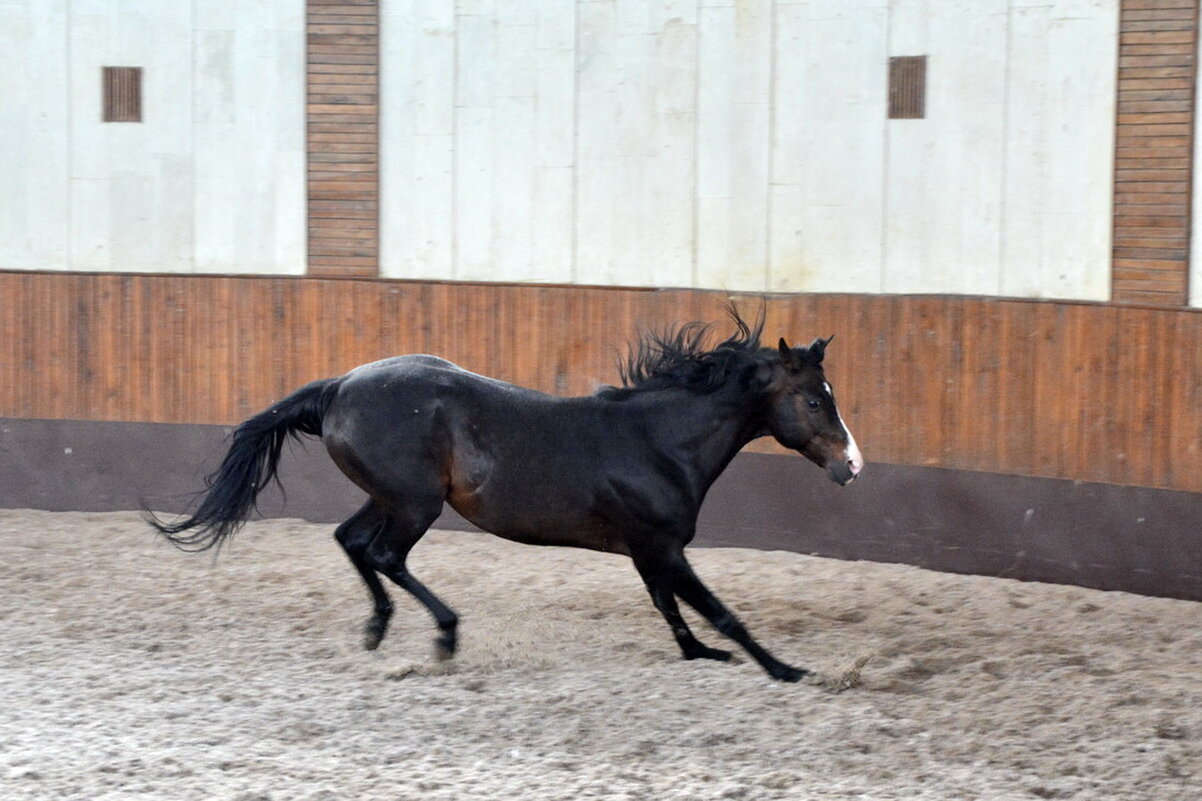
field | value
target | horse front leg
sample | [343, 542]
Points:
[674, 570]
[665, 602]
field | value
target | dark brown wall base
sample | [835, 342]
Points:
[1095, 535]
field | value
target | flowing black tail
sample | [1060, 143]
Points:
[248, 466]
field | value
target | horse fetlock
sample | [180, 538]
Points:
[449, 641]
[373, 632]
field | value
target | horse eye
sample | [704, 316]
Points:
[813, 404]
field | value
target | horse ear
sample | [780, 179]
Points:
[787, 357]
[817, 348]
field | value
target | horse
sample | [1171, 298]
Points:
[624, 470]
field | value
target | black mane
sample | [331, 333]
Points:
[677, 357]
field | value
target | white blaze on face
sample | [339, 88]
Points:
[855, 459]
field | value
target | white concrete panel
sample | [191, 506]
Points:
[828, 154]
[143, 171]
[945, 172]
[34, 206]
[523, 143]
[476, 133]
[512, 215]
[1059, 151]
[213, 177]
[555, 113]
[733, 141]
[249, 139]
[554, 188]
[551, 245]
[636, 146]
[417, 132]
[714, 143]
[596, 152]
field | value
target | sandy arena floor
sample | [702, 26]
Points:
[131, 670]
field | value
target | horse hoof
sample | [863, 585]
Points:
[789, 674]
[373, 634]
[444, 647]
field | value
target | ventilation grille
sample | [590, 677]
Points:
[907, 87]
[122, 94]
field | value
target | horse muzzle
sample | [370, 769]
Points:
[844, 471]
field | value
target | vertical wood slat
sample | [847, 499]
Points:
[1071, 390]
[1154, 134]
[343, 137]
[122, 94]
[907, 87]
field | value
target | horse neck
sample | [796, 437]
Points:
[708, 430]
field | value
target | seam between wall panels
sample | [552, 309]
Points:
[770, 205]
[455, 142]
[883, 268]
[694, 267]
[1005, 154]
[69, 68]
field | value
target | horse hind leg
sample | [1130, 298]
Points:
[387, 553]
[355, 535]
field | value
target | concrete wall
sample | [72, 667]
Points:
[739, 145]
[212, 180]
[745, 144]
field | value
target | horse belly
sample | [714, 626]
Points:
[590, 537]
[531, 517]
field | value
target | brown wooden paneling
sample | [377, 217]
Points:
[343, 84]
[1153, 151]
[1069, 390]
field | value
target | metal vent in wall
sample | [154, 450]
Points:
[907, 87]
[122, 94]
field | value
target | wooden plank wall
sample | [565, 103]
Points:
[1082, 391]
[343, 77]
[1154, 151]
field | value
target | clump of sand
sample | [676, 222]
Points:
[131, 670]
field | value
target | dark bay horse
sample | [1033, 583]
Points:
[624, 470]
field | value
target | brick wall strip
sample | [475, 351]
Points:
[1153, 176]
[342, 83]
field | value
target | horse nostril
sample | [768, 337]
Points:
[855, 466]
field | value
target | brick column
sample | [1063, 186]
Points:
[1154, 151]
[342, 85]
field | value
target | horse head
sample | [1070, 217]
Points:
[802, 414]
